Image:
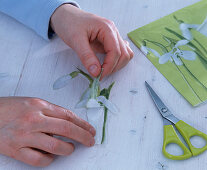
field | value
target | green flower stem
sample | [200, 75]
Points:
[104, 125]
[187, 81]
[86, 75]
[106, 93]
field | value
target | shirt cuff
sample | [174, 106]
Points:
[43, 22]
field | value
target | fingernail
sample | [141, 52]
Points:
[92, 142]
[93, 69]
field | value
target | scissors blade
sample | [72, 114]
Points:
[164, 111]
[166, 122]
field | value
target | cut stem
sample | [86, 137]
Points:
[104, 125]
[107, 94]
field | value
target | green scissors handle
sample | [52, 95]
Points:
[187, 132]
[170, 137]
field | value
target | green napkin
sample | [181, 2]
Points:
[177, 46]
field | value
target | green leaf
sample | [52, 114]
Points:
[203, 48]
[190, 86]
[192, 75]
[170, 40]
[95, 87]
[106, 92]
[202, 60]
[179, 21]
[103, 92]
[163, 48]
[175, 33]
[144, 43]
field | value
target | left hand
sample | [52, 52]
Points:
[88, 34]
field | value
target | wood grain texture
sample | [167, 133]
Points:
[134, 136]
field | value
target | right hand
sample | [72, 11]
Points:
[26, 126]
[89, 34]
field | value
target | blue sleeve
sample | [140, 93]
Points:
[33, 13]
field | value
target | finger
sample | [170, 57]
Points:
[108, 38]
[49, 144]
[126, 42]
[97, 47]
[34, 158]
[131, 53]
[122, 63]
[125, 56]
[62, 113]
[87, 56]
[68, 129]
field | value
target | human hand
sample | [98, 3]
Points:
[89, 34]
[25, 125]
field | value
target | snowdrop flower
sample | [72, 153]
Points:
[84, 99]
[91, 99]
[185, 28]
[175, 54]
[146, 50]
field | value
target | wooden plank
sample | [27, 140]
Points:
[134, 136]
[15, 45]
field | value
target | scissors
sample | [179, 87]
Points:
[170, 135]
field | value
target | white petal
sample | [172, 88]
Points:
[93, 103]
[193, 26]
[188, 55]
[156, 54]
[81, 104]
[203, 27]
[177, 60]
[84, 99]
[62, 82]
[165, 58]
[86, 94]
[109, 105]
[144, 50]
[185, 31]
[95, 117]
[181, 43]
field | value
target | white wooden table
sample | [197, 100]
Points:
[134, 136]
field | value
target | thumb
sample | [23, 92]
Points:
[88, 57]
